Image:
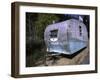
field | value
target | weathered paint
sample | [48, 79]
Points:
[71, 37]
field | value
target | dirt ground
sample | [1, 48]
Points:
[79, 58]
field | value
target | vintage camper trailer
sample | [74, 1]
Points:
[66, 37]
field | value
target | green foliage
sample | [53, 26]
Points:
[35, 26]
[42, 21]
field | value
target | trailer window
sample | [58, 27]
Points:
[80, 30]
[54, 33]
